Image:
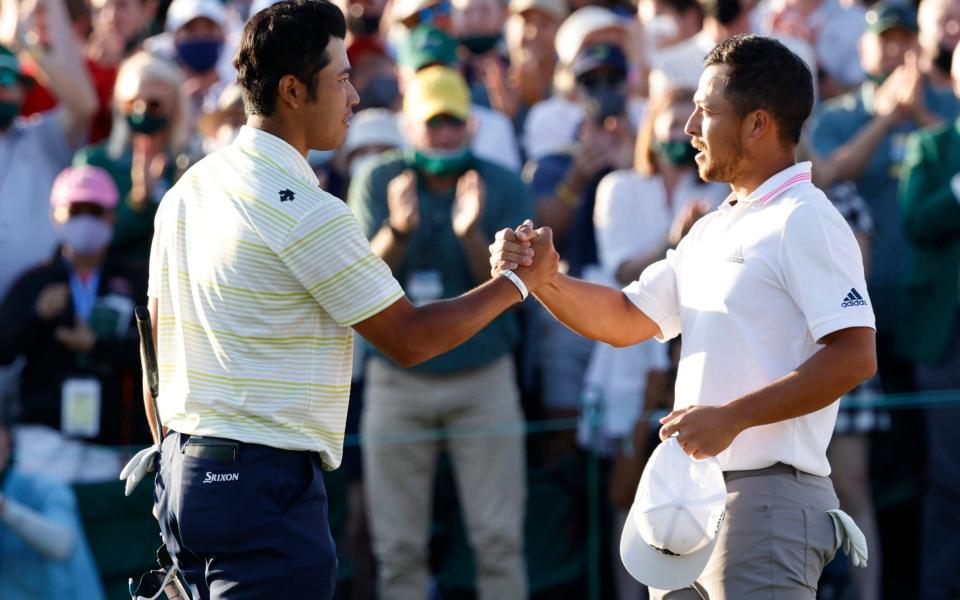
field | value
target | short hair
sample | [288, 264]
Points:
[287, 38]
[764, 74]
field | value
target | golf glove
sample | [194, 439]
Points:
[143, 462]
[850, 537]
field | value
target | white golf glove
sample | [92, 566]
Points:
[850, 537]
[142, 463]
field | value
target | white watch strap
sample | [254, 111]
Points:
[513, 277]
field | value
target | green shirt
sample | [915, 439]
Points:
[435, 265]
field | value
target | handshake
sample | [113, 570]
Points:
[528, 252]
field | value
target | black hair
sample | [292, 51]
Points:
[287, 38]
[763, 73]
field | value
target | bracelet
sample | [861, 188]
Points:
[515, 279]
[398, 235]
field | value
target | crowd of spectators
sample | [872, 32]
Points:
[475, 115]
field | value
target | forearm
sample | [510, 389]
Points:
[476, 247]
[53, 540]
[849, 160]
[833, 371]
[596, 312]
[389, 247]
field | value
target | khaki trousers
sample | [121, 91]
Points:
[774, 541]
[489, 469]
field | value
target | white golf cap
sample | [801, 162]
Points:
[575, 29]
[182, 12]
[675, 519]
[373, 127]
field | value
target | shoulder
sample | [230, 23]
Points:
[808, 207]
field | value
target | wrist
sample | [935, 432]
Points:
[517, 282]
[737, 417]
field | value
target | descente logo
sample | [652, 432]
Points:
[220, 477]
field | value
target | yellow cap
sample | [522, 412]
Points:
[437, 90]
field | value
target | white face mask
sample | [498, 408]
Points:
[86, 234]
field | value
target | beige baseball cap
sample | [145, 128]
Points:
[558, 9]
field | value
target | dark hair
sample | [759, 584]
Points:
[725, 11]
[763, 73]
[287, 38]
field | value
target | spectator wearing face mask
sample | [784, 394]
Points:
[148, 137]
[861, 136]
[194, 37]
[552, 124]
[431, 213]
[72, 316]
[564, 187]
[493, 138]
[478, 26]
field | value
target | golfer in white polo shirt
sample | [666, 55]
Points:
[769, 294]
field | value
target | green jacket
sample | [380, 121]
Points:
[931, 224]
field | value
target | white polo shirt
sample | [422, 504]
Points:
[259, 274]
[752, 287]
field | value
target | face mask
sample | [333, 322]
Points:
[678, 153]
[943, 59]
[362, 26]
[199, 55]
[728, 11]
[8, 112]
[147, 124]
[480, 44]
[381, 92]
[86, 234]
[603, 101]
[441, 163]
[660, 30]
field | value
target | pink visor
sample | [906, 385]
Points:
[84, 184]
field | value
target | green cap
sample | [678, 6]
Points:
[884, 17]
[428, 46]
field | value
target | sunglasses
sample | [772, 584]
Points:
[609, 79]
[441, 121]
[86, 207]
[148, 106]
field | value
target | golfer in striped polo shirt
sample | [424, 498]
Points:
[256, 277]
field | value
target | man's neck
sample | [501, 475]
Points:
[755, 175]
[286, 131]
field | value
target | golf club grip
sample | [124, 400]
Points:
[147, 352]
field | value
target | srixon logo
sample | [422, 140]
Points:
[220, 477]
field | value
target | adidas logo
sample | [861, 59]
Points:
[737, 256]
[853, 299]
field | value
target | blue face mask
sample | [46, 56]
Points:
[199, 55]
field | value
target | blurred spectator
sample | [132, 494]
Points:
[372, 132]
[363, 18]
[435, 13]
[43, 549]
[681, 64]
[832, 29]
[860, 136]
[930, 200]
[939, 34]
[194, 39]
[374, 74]
[667, 23]
[431, 213]
[478, 26]
[552, 124]
[149, 134]
[531, 31]
[564, 187]
[71, 318]
[40, 99]
[220, 126]
[119, 28]
[639, 214]
[493, 138]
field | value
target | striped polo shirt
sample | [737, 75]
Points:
[259, 274]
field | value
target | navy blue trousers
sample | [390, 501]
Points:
[248, 526]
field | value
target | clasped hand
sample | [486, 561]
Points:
[527, 251]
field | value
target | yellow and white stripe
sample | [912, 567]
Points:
[256, 297]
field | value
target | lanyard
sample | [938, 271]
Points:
[84, 293]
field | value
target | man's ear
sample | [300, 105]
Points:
[759, 123]
[291, 91]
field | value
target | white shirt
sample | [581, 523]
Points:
[259, 274]
[752, 288]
